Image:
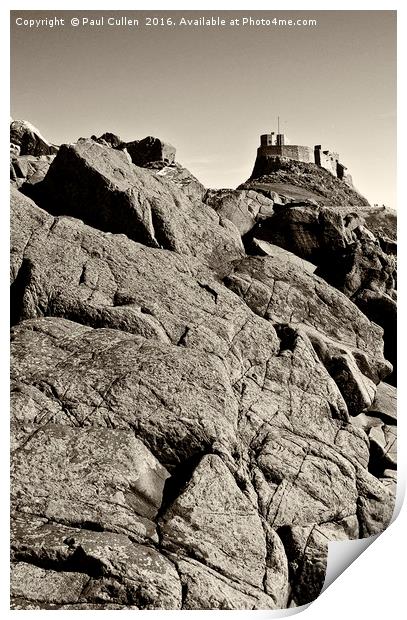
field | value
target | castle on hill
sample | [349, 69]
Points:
[274, 145]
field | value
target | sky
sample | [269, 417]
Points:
[211, 91]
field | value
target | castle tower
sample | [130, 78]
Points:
[267, 139]
[274, 146]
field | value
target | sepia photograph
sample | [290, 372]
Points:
[203, 301]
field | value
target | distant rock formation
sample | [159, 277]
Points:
[142, 152]
[25, 139]
[296, 180]
[200, 381]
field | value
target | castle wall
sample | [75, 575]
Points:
[343, 174]
[299, 153]
[328, 161]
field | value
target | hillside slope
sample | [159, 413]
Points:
[297, 181]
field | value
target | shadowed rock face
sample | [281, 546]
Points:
[28, 169]
[347, 255]
[150, 149]
[28, 140]
[101, 186]
[190, 425]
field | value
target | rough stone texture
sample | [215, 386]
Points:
[307, 554]
[347, 255]
[29, 140]
[25, 218]
[217, 522]
[71, 270]
[59, 565]
[385, 403]
[189, 427]
[88, 475]
[100, 185]
[29, 169]
[67, 374]
[183, 179]
[39, 585]
[205, 588]
[184, 398]
[243, 208]
[381, 221]
[283, 293]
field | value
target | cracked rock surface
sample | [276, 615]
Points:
[191, 424]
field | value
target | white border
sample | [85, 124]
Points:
[373, 586]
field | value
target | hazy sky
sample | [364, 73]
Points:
[212, 91]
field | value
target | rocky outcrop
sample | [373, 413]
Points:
[90, 475]
[347, 255]
[243, 208]
[381, 221]
[296, 180]
[143, 152]
[28, 140]
[28, 169]
[190, 425]
[182, 179]
[60, 567]
[146, 153]
[77, 388]
[379, 423]
[284, 294]
[263, 248]
[109, 139]
[101, 186]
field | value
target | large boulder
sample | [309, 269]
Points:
[150, 149]
[385, 403]
[110, 139]
[347, 255]
[29, 140]
[349, 345]
[29, 169]
[213, 517]
[182, 179]
[381, 221]
[88, 475]
[61, 267]
[263, 248]
[243, 208]
[56, 566]
[101, 186]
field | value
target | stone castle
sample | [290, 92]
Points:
[274, 145]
